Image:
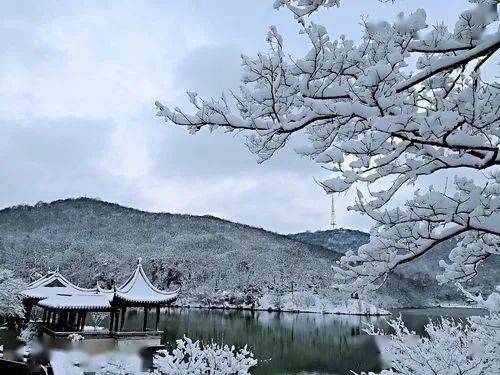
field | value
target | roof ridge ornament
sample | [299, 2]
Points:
[139, 261]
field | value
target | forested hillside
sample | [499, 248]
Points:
[92, 240]
[211, 258]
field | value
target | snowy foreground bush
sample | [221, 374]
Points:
[450, 348]
[191, 358]
[195, 358]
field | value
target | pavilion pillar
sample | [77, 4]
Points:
[62, 320]
[57, 320]
[71, 320]
[77, 320]
[145, 323]
[44, 317]
[28, 309]
[122, 322]
[66, 321]
[111, 320]
[83, 318]
[157, 317]
[54, 317]
[117, 320]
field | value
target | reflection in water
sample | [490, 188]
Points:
[286, 343]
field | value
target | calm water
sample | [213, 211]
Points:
[286, 343]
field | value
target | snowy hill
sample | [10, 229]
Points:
[214, 260]
[211, 258]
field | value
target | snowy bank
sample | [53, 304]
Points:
[298, 302]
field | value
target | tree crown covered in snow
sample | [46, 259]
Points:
[371, 121]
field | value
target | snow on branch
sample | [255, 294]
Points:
[449, 63]
[366, 118]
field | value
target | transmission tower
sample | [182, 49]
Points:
[332, 218]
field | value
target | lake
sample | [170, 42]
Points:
[286, 343]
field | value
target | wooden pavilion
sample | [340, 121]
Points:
[65, 305]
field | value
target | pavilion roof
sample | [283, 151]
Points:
[52, 284]
[55, 291]
[138, 289]
[90, 301]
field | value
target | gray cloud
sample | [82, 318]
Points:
[77, 87]
[209, 70]
[45, 159]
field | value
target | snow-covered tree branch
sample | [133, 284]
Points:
[371, 121]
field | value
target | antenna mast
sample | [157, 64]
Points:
[332, 218]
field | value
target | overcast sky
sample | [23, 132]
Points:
[78, 81]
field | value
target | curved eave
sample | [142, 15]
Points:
[32, 289]
[32, 297]
[82, 307]
[71, 285]
[100, 289]
[39, 281]
[118, 297]
[130, 283]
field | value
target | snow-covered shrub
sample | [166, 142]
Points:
[203, 295]
[304, 300]
[97, 319]
[236, 298]
[207, 296]
[117, 367]
[231, 298]
[203, 359]
[277, 300]
[75, 337]
[11, 302]
[28, 333]
[252, 295]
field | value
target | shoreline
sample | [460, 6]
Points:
[382, 312]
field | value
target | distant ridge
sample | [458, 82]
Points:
[339, 240]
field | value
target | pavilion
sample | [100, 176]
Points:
[65, 305]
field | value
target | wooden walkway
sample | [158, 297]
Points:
[106, 334]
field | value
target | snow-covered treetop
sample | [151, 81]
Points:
[370, 120]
